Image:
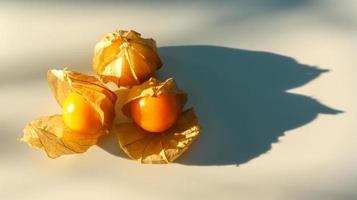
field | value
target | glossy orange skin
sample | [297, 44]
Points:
[79, 115]
[156, 114]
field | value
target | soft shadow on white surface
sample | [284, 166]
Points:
[240, 98]
[36, 36]
[110, 143]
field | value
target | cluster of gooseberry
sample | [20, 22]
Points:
[88, 106]
[123, 57]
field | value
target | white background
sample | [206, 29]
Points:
[313, 160]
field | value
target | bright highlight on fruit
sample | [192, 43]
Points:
[87, 114]
[156, 114]
[79, 115]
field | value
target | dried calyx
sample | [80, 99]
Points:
[125, 58]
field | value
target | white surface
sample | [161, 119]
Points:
[314, 160]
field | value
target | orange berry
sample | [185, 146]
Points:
[156, 114]
[79, 115]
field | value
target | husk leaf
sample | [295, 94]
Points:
[161, 148]
[154, 87]
[125, 58]
[55, 138]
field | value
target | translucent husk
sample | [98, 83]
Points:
[125, 58]
[55, 138]
[165, 147]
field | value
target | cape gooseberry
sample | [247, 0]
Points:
[156, 113]
[79, 115]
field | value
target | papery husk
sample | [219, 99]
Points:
[161, 148]
[63, 82]
[52, 135]
[125, 58]
[153, 87]
[165, 147]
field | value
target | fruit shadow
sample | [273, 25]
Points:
[241, 99]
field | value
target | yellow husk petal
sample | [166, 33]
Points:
[55, 138]
[63, 82]
[125, 58]
[160, 148]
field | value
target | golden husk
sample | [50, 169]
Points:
[161, 148]
[125, 58]
[55, 138]
[165, 147]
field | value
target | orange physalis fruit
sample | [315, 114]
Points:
[88, 112]
[88, 93]
[161, 130]
[125, 58]
[79, 115]
[156, 114]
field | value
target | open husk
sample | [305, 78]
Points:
[164, 147]
[63, 82]
[50, 132]
[125, 58]
[55, 138]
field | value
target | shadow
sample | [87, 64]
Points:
[109, 143]
[241, 99]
